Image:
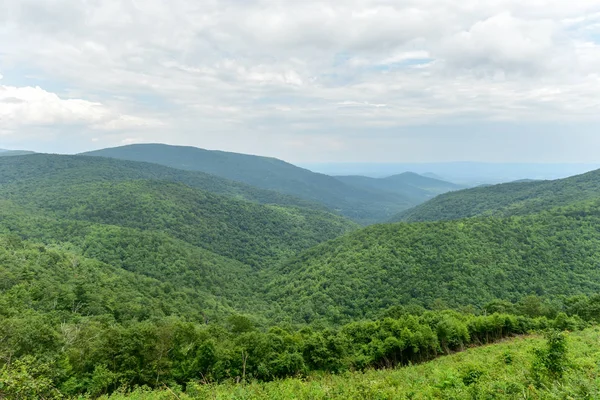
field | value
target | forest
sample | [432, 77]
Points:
[125, 278]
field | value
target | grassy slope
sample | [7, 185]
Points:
[362, 205]
[444, 378]
[517, 198]
[460, 262]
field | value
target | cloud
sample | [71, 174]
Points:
[23, 106]
[216, 72]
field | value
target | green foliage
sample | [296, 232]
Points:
[364, 205]
[149, 278]
[71, 352]
[204, 249]
[27, 378]
[48, 170]
[251, 233]
[477, 373]
[449, 264]
[551, 360]
[156, 273]
[516, 198]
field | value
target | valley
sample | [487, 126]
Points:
[122, 273]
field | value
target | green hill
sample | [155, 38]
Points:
[416, 187]
[125, 274]
[207, 244]
[60, 283]
[517, 198]
[248, 232]
[5, 153]
[362, 205]
[63, 170]
[455, 263]
[508, 370]
[213, 286]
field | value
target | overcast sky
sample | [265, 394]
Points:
[306, 81]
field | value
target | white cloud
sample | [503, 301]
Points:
[216, 70]
[23, 106]
[33, 105]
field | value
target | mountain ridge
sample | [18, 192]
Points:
[362, 205]
[514, 198]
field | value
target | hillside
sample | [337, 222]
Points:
[500, 371]
[362, 205]
[252, 233]
[517, 198]
[5, 153]
[208, 245]
[414, 186]
[211, 285]
[115, 277]
[456, 263]
[59, 283]
[52, 170]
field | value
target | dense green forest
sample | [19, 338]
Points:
[252, 233]
[72, 325]
[362, 204]
[210, 246]
[55, 170]
[456, 263]
[120, 274]
[517, 198]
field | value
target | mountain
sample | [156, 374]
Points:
[433, 176]
[464, 173]
[61, 283]
[457, 263]
[209, 285]
[5, 153]
[251, 233]
[361, 205]
[416, 187]
[121, 277]
[62, 170]
[516, 198]
[208, 245]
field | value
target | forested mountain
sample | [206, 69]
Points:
[466, 262]
[416, 187]
[53, 170]
[208, 245]
[123, 273]
[198, 283]
[517, 198]
[60, 281]
[360, 204]
[4, 153]
[251, 233]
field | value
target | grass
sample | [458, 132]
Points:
[498, 371]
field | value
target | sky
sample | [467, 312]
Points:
[306, 81]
